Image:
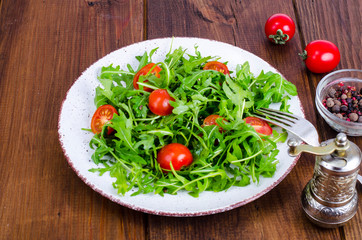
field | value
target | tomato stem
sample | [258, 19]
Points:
[279, 37]
[304, 54]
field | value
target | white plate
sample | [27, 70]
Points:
[78, 108]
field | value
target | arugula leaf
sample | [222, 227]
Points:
[272, 88]
[123, 127]
[239, 97]
[139, 106]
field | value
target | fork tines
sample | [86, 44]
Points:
[276, 117]
[292, 123]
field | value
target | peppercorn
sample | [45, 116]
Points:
[337, 102]
[343, 108]
[330, 102]
[336, 109]
[353, 117]
[332, 92]
[339, 115]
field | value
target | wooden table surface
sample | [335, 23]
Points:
[46, 45]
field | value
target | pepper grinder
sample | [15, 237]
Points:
[330, 198]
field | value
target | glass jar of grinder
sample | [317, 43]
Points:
[330, 198]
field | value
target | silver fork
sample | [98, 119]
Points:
[294, 124]
[299, 126]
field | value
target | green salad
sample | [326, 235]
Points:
[226, 151]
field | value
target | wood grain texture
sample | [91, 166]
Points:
[241, 23]
[342, 26]
[45, 45]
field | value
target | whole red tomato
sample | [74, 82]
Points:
[177, 154]
[279, 28]
[259, 125]
[144, 71]
[159, 102]
[101, 116]
[321, 56]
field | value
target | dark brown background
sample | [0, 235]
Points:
[46, 44]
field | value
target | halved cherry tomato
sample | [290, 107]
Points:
[178, 154]
[101, 116]
[259, 125]
[144, 71]
[217, 66]
[211, 120]
[159, 102]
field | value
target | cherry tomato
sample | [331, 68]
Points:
[279, 28]
[217, 66]
[211, 120]
[101, 116]
[178, 154]
[159, 102]
[259, 125]
[321, 56]
[144, 71]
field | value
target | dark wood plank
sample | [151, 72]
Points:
[340, 23]
[241, 23]
[44, 47]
